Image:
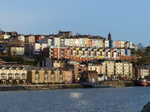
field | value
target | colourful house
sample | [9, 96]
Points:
[86, 42]
[101, 43]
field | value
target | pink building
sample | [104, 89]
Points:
[117, 44]
[68, 76]
[89, 43]
[93, 43]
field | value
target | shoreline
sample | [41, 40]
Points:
[67, 86]
[38, 87]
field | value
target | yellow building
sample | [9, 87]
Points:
[86, 42]
[43, 75]
[39, 75]
[101, 43]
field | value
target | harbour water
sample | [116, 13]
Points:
[123, 99]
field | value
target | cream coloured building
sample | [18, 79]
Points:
[109, 67]
[30, 39]
[143, 71]
[10, 75]
[114, 69]
[96, 67]
[16, 50]
[123, 69]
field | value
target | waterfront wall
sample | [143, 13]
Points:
[62, 86]
[38, 87]
[119, 83]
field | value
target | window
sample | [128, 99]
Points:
[96, 68]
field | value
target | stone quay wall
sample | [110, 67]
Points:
[119, 83]
[38, 87]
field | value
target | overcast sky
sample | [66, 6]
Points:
[127, 20]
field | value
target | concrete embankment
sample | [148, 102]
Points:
[38, 87]
[119, 83]
[62, 86]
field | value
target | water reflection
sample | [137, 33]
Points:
[75, 95]
[76, 100]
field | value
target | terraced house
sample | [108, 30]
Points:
[113, 69]
[13, 75]
[43, 75]
[85, 53]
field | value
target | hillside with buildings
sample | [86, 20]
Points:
[68, 58]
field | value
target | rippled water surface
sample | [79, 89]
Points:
[129, 99]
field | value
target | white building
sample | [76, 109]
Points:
[56, 41]
[144, 71]
[122, 44]
[16, 50]
[6, 36]
[21, 37]
[36, 48]
[106, 42]
[67, 41]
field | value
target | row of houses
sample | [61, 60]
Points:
[34, 75]
[64, 39]
[106, 69]
[86, 53]
[71, 71]
[18, 44]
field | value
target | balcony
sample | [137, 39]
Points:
[10, 76]
[24, 76]
[3, 75]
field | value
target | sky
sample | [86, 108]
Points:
[127, 20]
